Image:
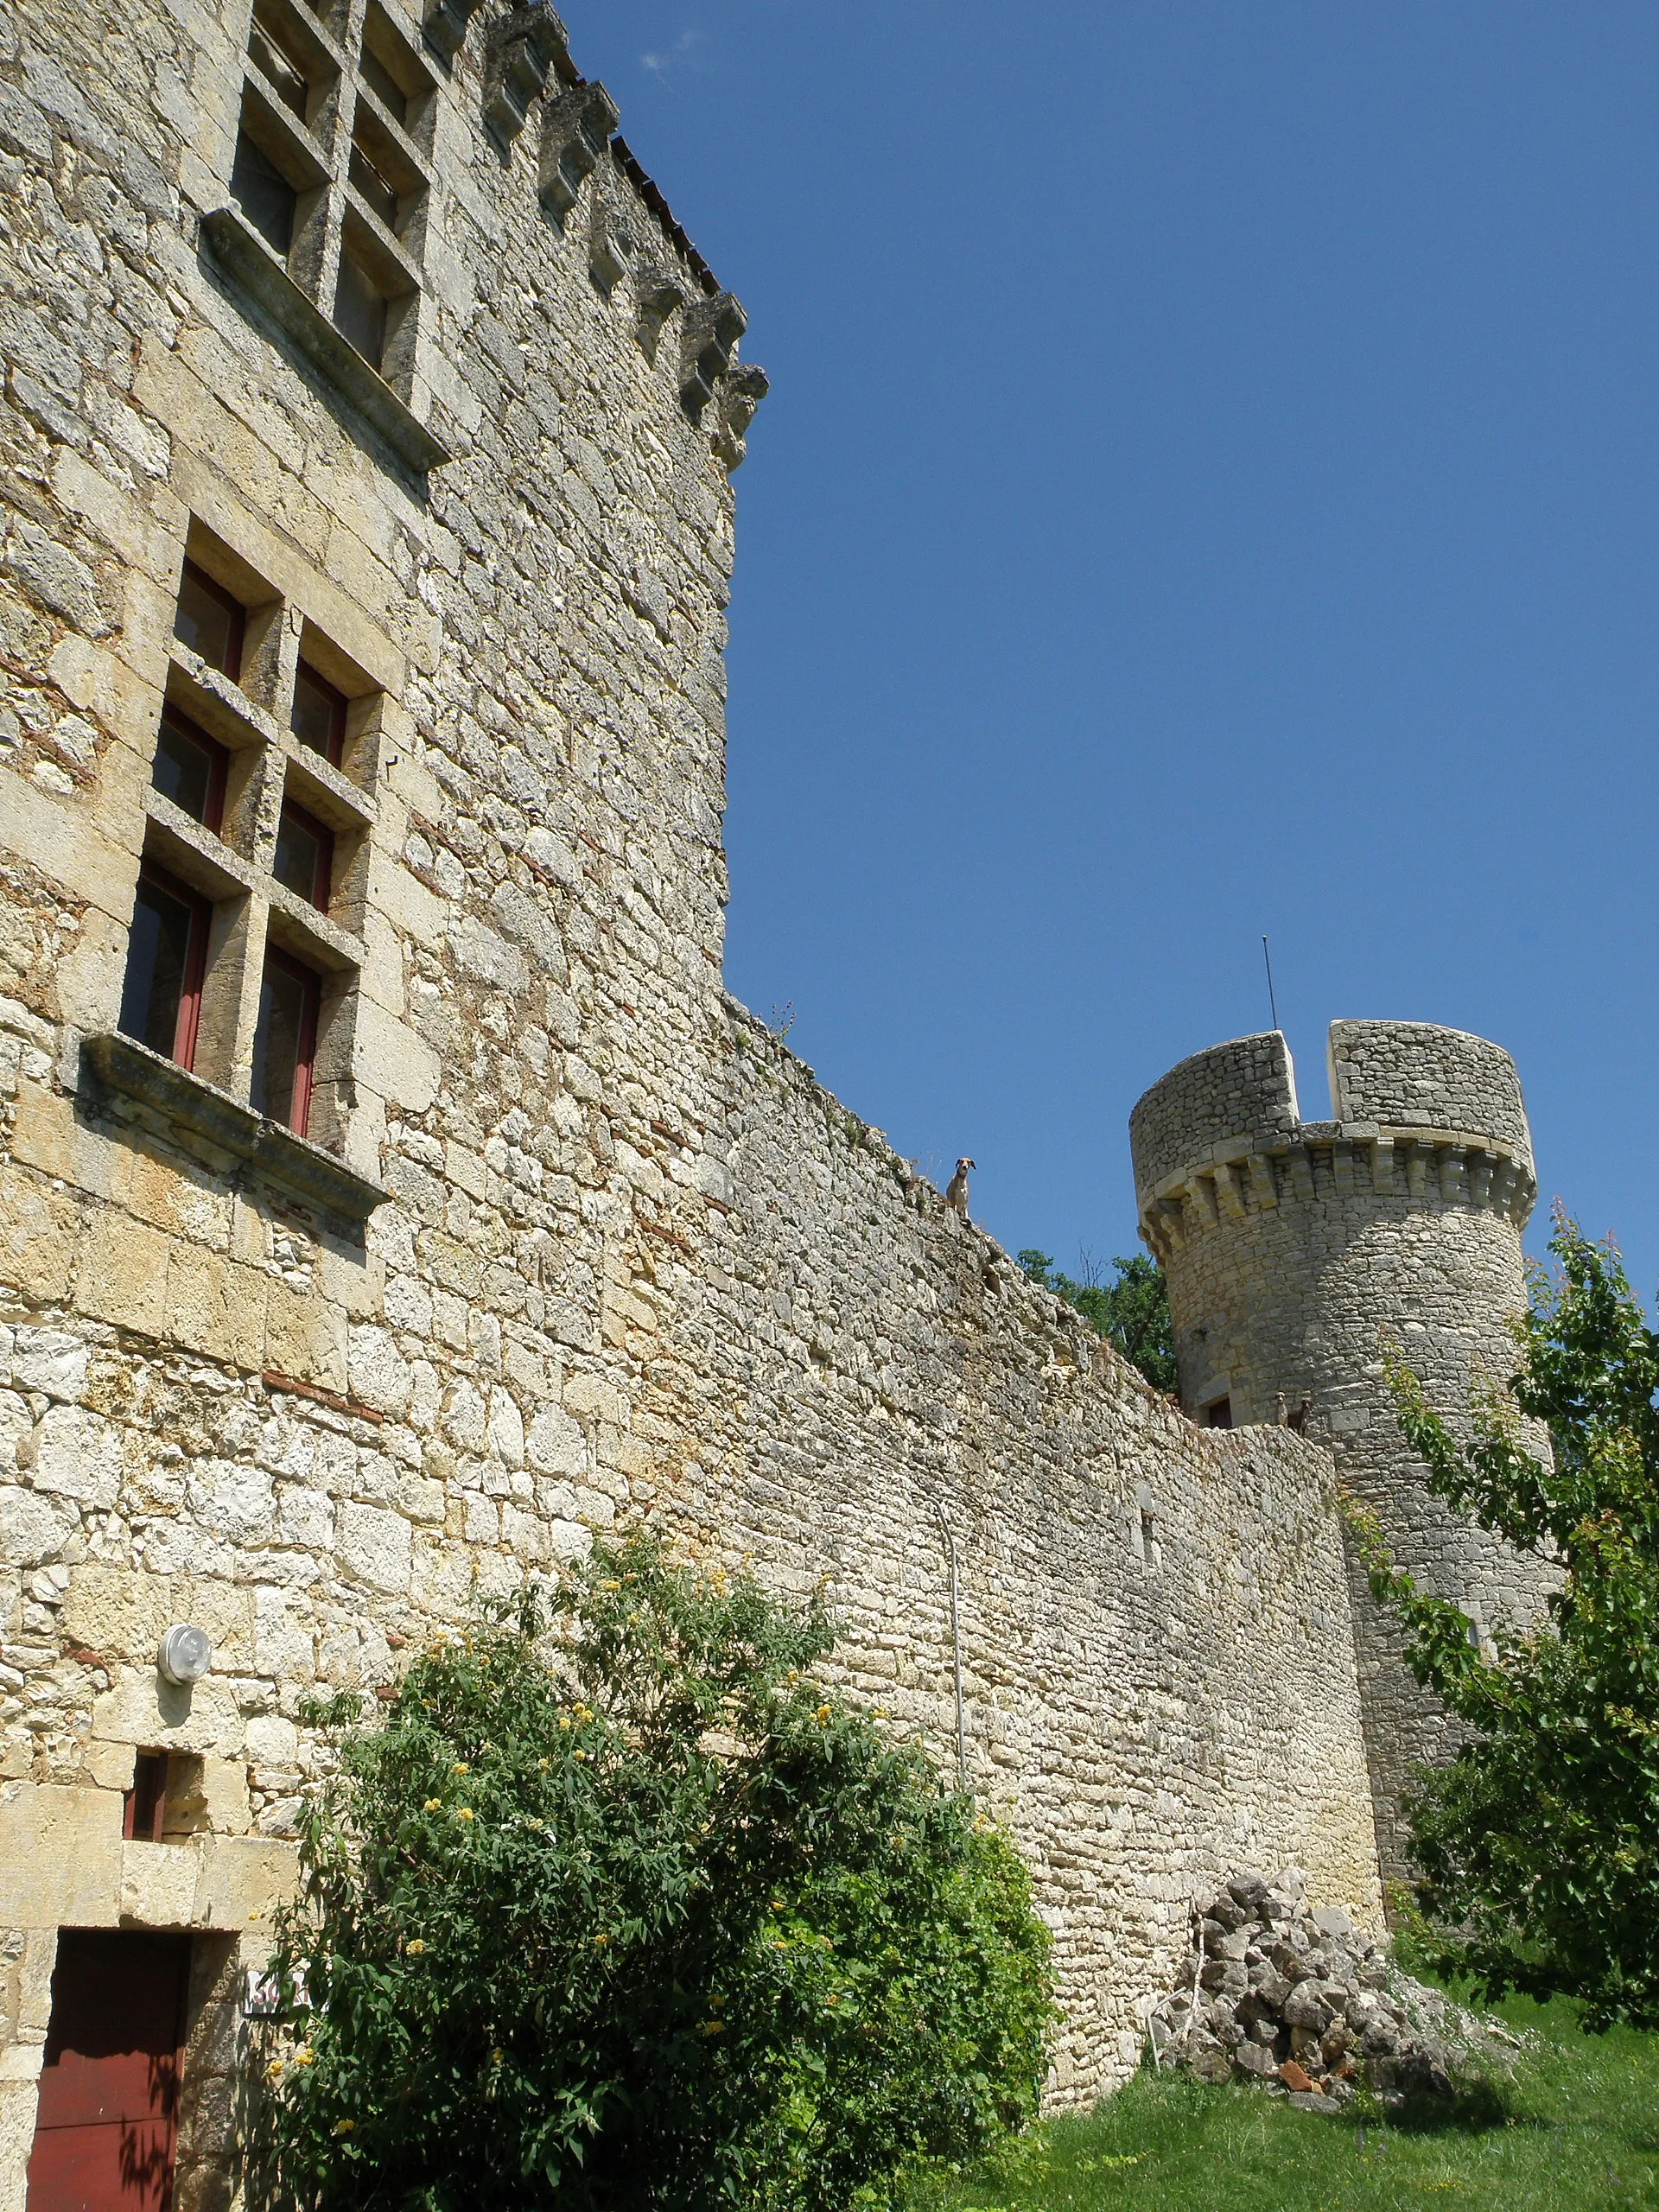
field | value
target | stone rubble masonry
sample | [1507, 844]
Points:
[630, 1257]
[1296, 1251]
[1302, 2002]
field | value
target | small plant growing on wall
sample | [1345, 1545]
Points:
[618, 1910]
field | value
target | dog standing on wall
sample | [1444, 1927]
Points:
[957, 1189]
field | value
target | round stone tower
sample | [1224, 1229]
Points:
[1293, 1250]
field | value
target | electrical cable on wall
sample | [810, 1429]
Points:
[956, 1645]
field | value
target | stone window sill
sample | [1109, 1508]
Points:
[292, 1165]
[257, 273]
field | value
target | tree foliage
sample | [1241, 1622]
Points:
[617, 1911]
[1131, 1312]
[1539, 1843]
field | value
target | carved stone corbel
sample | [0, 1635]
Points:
[659, 291]
[740, 394]
[608, 245]
[575, 130]
[708, 331]
[522, 52]
[444, 26]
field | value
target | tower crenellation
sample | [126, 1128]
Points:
[1296, 1251]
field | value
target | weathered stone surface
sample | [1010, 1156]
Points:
[1318, 2040]
[631, 1257]
[1295, 1248]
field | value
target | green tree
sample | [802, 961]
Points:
[1131, 1312]
[617, 1910]
[1539, 1842]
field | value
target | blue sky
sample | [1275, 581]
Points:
[1208, 487]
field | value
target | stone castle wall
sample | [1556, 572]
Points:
[573, 1239]
[1158, 1670]
[1296, 1251]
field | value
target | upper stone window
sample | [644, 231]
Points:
[211, 620]
[317, 716]
[331, 170]
[245, 950]
[192, 769]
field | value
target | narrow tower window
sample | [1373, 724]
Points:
[285, 1041]
[305, 854]
[190, 769]
[209, 621]
[166, 955]
[144, 1808]
[318, 715]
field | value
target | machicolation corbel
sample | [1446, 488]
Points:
[709, 333]
[523, 50]
[575, 130]
[608, 247]
[740, 393]
[658, 292]
[445, 27]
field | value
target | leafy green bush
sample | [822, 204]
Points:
[617, 1910]
[1539, 1842]
[1131, 1312]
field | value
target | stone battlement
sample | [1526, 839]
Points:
[1430, 1114]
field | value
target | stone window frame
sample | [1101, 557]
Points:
[250, 910]
[344, 154]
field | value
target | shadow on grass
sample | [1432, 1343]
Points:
[1473, 2108]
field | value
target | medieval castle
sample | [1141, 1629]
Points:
[390, 1194]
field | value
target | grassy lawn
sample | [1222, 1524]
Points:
[1575, 2129]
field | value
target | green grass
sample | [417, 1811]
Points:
[1574, 2128]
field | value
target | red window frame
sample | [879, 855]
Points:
[219, 764]
[305, 1058]
[188, 1024]
[322, 884]
[143, 1810]
[234, 607]
[335, 752]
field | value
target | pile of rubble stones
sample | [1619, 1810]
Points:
[1299, 2001]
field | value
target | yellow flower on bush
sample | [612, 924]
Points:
[600, 1940]
[822, 1713]
[433, 1805]
[713, 2027]
[461, 1767]
[417, 1947]
[463, 1813]
[542, 1766]
[496, 2057]
[304, 2056]
[344, 2126]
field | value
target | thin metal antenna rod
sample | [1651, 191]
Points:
[1272, 1002]
[956, 1643]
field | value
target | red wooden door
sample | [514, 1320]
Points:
[108, 2116]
